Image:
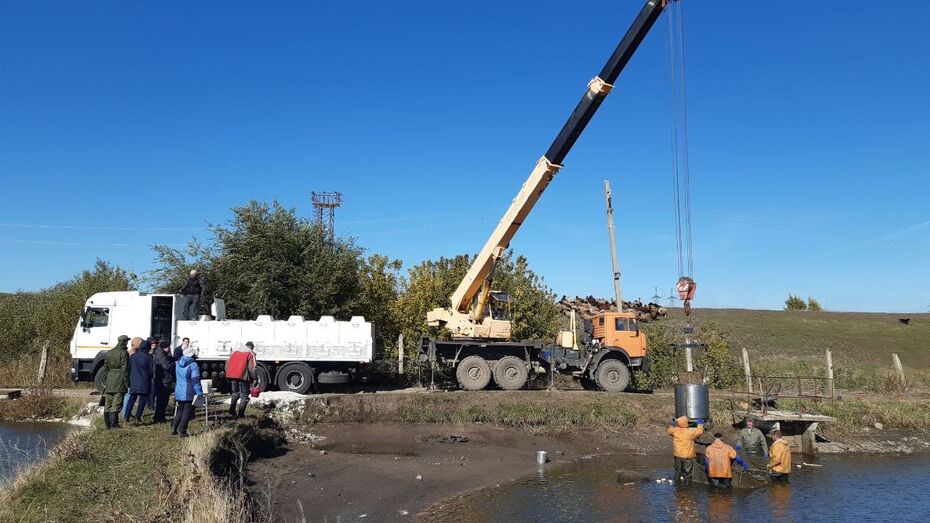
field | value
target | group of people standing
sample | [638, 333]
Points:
[138, 372]
[719, 456]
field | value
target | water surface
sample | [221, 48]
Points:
[22, 443]
[845, 488]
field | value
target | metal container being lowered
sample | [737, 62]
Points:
[692, 401]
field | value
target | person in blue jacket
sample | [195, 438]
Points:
[186, 389]
[141, 369]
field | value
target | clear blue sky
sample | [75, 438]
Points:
[139, 123]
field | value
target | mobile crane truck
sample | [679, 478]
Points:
[478, 318]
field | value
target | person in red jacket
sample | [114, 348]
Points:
[240, 371]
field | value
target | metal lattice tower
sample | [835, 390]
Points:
[326, 204]
[672, 298]
[655, 297]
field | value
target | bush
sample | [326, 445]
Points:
[795, 303]
[720, 367]
[814, 305]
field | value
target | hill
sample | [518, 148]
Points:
[796, 340]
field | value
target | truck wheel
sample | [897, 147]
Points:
[262, 376]
[613, 376]
[98, 379]
[295, 377]
[510, 373]
[473, 373]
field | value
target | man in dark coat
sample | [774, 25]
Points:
[141, 370]
[163, 380]
[115, 381]
[179, 350]
[191, 292]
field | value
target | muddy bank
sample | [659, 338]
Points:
[392, 471]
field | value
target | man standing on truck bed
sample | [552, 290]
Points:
[191, 292]
[115, 381]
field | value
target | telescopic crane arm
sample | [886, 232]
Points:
[466, 317]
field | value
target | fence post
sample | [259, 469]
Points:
[898, 368]
[747, 371]
[400, 354]
[43, 361]
[830, 373]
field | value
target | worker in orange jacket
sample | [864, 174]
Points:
[683, 446]
[717, 458]
[779, 458]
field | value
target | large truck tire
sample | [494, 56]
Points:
[510, 373]
[613, 376]
[98, 379]
[473, 373]
[295, 377]
[263, 377]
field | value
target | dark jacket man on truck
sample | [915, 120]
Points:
[191, 293]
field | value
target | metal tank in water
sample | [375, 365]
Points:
[692, 400]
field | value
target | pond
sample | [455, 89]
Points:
[22, 443]
[843, 488]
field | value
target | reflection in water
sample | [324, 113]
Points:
[22, 443]
[624, 488]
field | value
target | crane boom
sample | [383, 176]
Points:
[481, 270]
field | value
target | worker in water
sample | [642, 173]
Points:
[717, 458]
[779, 458]
[683, 446]
[115, 381]
[191, 293]
[751, 440]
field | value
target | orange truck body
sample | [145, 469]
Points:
[620, 330]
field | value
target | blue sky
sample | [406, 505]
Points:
[126, 124]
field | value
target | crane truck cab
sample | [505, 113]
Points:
[619, 330]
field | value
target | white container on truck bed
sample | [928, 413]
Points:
[293, 353]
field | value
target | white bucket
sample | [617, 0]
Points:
[541, 457]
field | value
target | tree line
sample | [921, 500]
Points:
[269, 260]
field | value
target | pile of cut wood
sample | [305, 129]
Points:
[589, 307]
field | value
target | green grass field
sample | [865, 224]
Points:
[795, 341]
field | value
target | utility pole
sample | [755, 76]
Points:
[613, 245]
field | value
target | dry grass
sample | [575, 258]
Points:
[23, 371]
[137, 474]
[38, 403]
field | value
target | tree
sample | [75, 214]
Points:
[381, 284]
[795, 303]
[813, 305]
[268, 260]
[431, 283]
[27, 319]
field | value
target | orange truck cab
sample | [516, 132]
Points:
[619, 330]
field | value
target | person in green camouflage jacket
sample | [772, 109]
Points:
[115, 381]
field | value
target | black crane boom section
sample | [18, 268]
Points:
[592, 99]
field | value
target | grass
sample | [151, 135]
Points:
[139, 473]
[793, 343]
[38, 403]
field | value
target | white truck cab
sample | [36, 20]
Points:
[294, 354]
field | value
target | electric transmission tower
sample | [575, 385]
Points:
[655, 297]
[672, 298]
[326, 204]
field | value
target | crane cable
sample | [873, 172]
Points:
[678, 119]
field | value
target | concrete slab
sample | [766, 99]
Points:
[10, 394]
